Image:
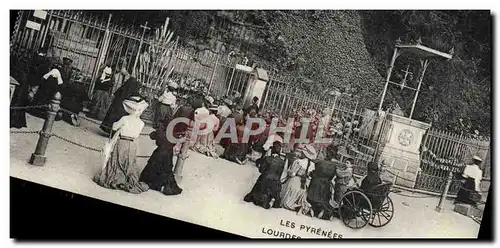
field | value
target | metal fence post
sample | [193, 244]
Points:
[38, 157]
[439, 207]
[213, 73]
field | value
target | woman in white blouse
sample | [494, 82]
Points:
[121, 171]
[470, 185]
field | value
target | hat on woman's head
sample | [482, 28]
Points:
[135, 105]
[210, 100]
[298, 146]
[173, 85]
[309, 152]
[67, 60]
[228, 101]
[169, 99]
[477, 158]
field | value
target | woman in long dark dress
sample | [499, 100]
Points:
[237, 152]
[372, 178]
[116, 111]
[19, 99]
[319, 192]
[158, 172]
[266, 191]
[102, 95]
[50, 83]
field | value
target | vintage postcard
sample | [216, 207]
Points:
[299, 124]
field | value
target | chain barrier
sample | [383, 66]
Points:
[470, 190]
[399, 177]
[25, 132]
[87, 147]
[76, 143]
[413, 196]
[29, 107]
[93, 121]
[406, 179]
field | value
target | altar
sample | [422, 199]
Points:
[400, 157]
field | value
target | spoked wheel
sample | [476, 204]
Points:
[355, 209]
[383, 215]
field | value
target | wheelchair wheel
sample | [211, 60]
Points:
[355, 209]
[383, 215]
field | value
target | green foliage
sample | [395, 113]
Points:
[452, 90]
[350, 51]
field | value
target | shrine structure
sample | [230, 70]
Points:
[400, 155]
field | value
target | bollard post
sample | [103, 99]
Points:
[38, 157]
[439, 207]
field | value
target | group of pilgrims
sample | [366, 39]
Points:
[298, 179]
[308, 178]
[293, 176]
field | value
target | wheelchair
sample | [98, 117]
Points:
[359, 208]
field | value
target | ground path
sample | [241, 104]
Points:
[213, 191]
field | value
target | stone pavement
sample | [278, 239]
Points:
[213, 192]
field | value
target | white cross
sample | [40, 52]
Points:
[407, 72]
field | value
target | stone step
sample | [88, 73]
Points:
[468, 210]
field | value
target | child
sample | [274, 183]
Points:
[343, 180]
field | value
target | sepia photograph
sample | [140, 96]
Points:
[266, 124]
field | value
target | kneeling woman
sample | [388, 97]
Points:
[320, 191]
[121, 171]
[158, 172]
[266, 191]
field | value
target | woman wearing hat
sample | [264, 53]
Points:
[208, 122]
[470, 183]
[130, 87]
[166, 105]
[293, 195]
[158, 173]
[121, 171]
[223, 112]
[267, 188]
[102, 96]
[51, 83]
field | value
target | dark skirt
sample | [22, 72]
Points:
[319, 194]
[339, 191]
[19, 99]
[114, 114]
[158, 172]
[45, 93]
[162, 113]
[263, 191]
[121, 171]
[467, 193]
[236, 151]
[100, 104]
